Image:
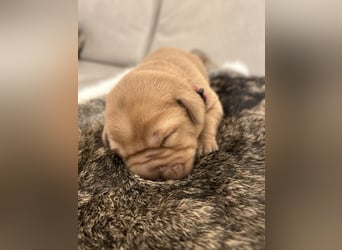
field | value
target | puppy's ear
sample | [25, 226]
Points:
[105, 138]
[110, 144]
[193, 106]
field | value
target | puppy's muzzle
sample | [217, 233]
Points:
[175, 171]
[162, 163]
[164, 172]
[172, 167]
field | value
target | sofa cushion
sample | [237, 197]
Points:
[117, 31]
[228, 30]
[90, 73]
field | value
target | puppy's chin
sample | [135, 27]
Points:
[165, 169]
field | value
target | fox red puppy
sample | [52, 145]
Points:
[161, 114]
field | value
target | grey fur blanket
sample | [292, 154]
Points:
[220, 205]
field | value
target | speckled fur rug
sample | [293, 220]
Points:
[220, 205]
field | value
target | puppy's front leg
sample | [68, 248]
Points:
[207, 139]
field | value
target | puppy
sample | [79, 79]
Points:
[161, 113]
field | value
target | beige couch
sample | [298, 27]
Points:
[119, 33]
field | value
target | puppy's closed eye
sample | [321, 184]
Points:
[168, 136]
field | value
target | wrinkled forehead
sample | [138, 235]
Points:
[148, 131]
[152, 131]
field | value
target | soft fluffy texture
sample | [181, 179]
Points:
[220, 205]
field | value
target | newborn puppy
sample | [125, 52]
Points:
[161, 113]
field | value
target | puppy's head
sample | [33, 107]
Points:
[157, 137]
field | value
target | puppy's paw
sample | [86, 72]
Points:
[207, 145]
